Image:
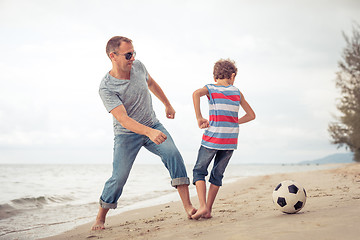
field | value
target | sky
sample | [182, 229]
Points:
[53, 59]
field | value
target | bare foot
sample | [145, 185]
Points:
[190, 211]
[201, 212]
[207, 215]
[98, 225]
[100, 219]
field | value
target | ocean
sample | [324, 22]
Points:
[43, 200]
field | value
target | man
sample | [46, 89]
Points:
[125, 94]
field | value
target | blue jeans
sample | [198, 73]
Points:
[126, 148]
[205, 156]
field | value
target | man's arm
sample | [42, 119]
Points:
[158, 92]
[127, 122]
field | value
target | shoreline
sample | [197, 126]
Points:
[244, 210]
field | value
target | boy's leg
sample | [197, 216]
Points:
[173, 161]
[205, 156]
[213, 190]
[201, 192]
[126, 147]
[221, 161]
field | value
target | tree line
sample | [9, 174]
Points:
[345, 130]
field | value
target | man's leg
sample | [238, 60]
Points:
[126, 148]
[173, 161]
[183, 191]
[100, 219]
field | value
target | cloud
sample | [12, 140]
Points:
[53, 58]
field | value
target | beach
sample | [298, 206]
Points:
[244, 210]
[39, 201]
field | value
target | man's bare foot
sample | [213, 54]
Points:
[190, 211]
[100, 219]
[201, 212]
[98, 225]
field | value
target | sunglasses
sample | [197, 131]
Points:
[128, 55]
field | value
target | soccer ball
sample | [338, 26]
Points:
[289, 196]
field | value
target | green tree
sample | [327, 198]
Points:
[346, 130]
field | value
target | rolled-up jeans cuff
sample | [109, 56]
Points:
[180, 181]
[107, 205]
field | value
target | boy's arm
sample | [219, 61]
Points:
[158, 92]
[249, 113]
[202, 122]
[127, 122]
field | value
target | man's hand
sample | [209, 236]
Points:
[203, 123]
[157, 136]
[158, 92]
[170, 112]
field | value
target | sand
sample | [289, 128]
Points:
[244, 210]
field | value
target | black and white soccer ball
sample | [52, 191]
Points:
[289, 196]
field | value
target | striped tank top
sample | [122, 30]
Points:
[224, 103]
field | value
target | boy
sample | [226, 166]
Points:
[220, 138]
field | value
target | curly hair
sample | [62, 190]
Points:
[114, 43]
[224, 68]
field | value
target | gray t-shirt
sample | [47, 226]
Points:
[134, 94]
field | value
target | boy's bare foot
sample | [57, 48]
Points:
[207, 216]
[201, 212]
[98, 225]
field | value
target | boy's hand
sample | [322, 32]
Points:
[203, 123]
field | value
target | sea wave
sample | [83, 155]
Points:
[16, 206]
